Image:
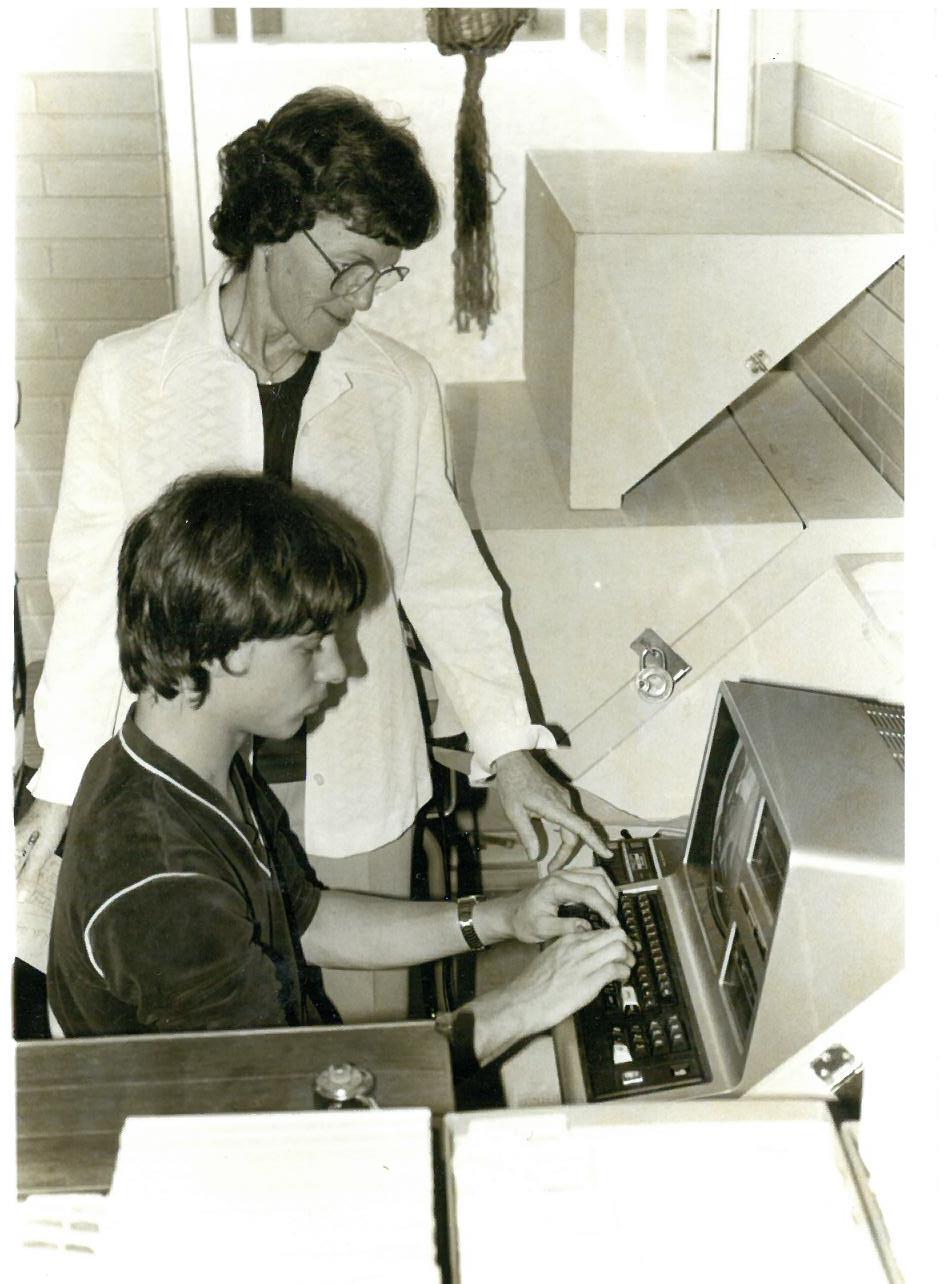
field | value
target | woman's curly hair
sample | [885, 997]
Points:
[326, 151]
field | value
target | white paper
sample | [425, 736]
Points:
[760, 1197]
[34, 916]
[57, 1239]
[342, 1195]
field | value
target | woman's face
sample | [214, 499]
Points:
[299, 280]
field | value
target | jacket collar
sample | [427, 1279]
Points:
[159, 762]
[198, 333]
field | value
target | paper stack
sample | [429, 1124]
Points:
[341, 1195]
[57, 1238]
[728, 1191]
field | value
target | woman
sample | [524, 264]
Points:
[268, 369]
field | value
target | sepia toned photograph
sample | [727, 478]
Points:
[459, 649]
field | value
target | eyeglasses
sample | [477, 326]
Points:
[355, 277]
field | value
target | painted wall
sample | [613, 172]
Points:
[774, 39]
[92, 243]
[866, 49]
[849, 95]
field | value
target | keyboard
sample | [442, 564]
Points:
[639, 1036]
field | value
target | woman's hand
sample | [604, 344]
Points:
[525, 791]
[38, 835]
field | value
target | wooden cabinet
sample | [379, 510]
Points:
[74, 1095]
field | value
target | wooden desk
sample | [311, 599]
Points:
[74, 1095]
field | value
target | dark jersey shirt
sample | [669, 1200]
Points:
[170, 914]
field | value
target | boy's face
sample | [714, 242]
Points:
[275, 683]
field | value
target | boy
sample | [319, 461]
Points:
[184, 903]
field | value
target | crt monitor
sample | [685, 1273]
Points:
[786, 912]
[794, 862]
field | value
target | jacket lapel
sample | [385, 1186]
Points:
[198, 330]
[355, 352]
[331, 381]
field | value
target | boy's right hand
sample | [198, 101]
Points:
[38, 834]
[565, 976]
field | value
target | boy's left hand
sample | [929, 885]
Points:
[534, 912]
[525, 791]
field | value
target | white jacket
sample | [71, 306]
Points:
[170, 398]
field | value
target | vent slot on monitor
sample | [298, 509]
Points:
[890, 721]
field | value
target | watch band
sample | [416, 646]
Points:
[464, 908]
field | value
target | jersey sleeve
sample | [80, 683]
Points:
[181, 950]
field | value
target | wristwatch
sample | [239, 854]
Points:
[464, 907]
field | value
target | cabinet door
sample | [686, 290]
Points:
[658, 288]
[580, 598]
[666, 332]
[826, 637]
[582, 587]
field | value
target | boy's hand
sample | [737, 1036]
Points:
[563, 978]
[533, 913]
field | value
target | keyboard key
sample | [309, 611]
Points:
[628, 998]
[677, 1034]
[621, 1053]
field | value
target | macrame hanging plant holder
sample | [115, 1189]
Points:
[474, 33]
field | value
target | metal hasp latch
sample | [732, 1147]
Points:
[759, 362]
[660, 666]
[837, 1068]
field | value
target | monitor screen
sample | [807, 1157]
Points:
[737, 865]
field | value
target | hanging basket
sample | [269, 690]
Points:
[476, 34]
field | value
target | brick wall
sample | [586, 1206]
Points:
[854, 365]
[93, 257]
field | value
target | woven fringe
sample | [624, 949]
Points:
[475, 275]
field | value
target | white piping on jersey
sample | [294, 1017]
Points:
[190, 794]
[132, 887]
